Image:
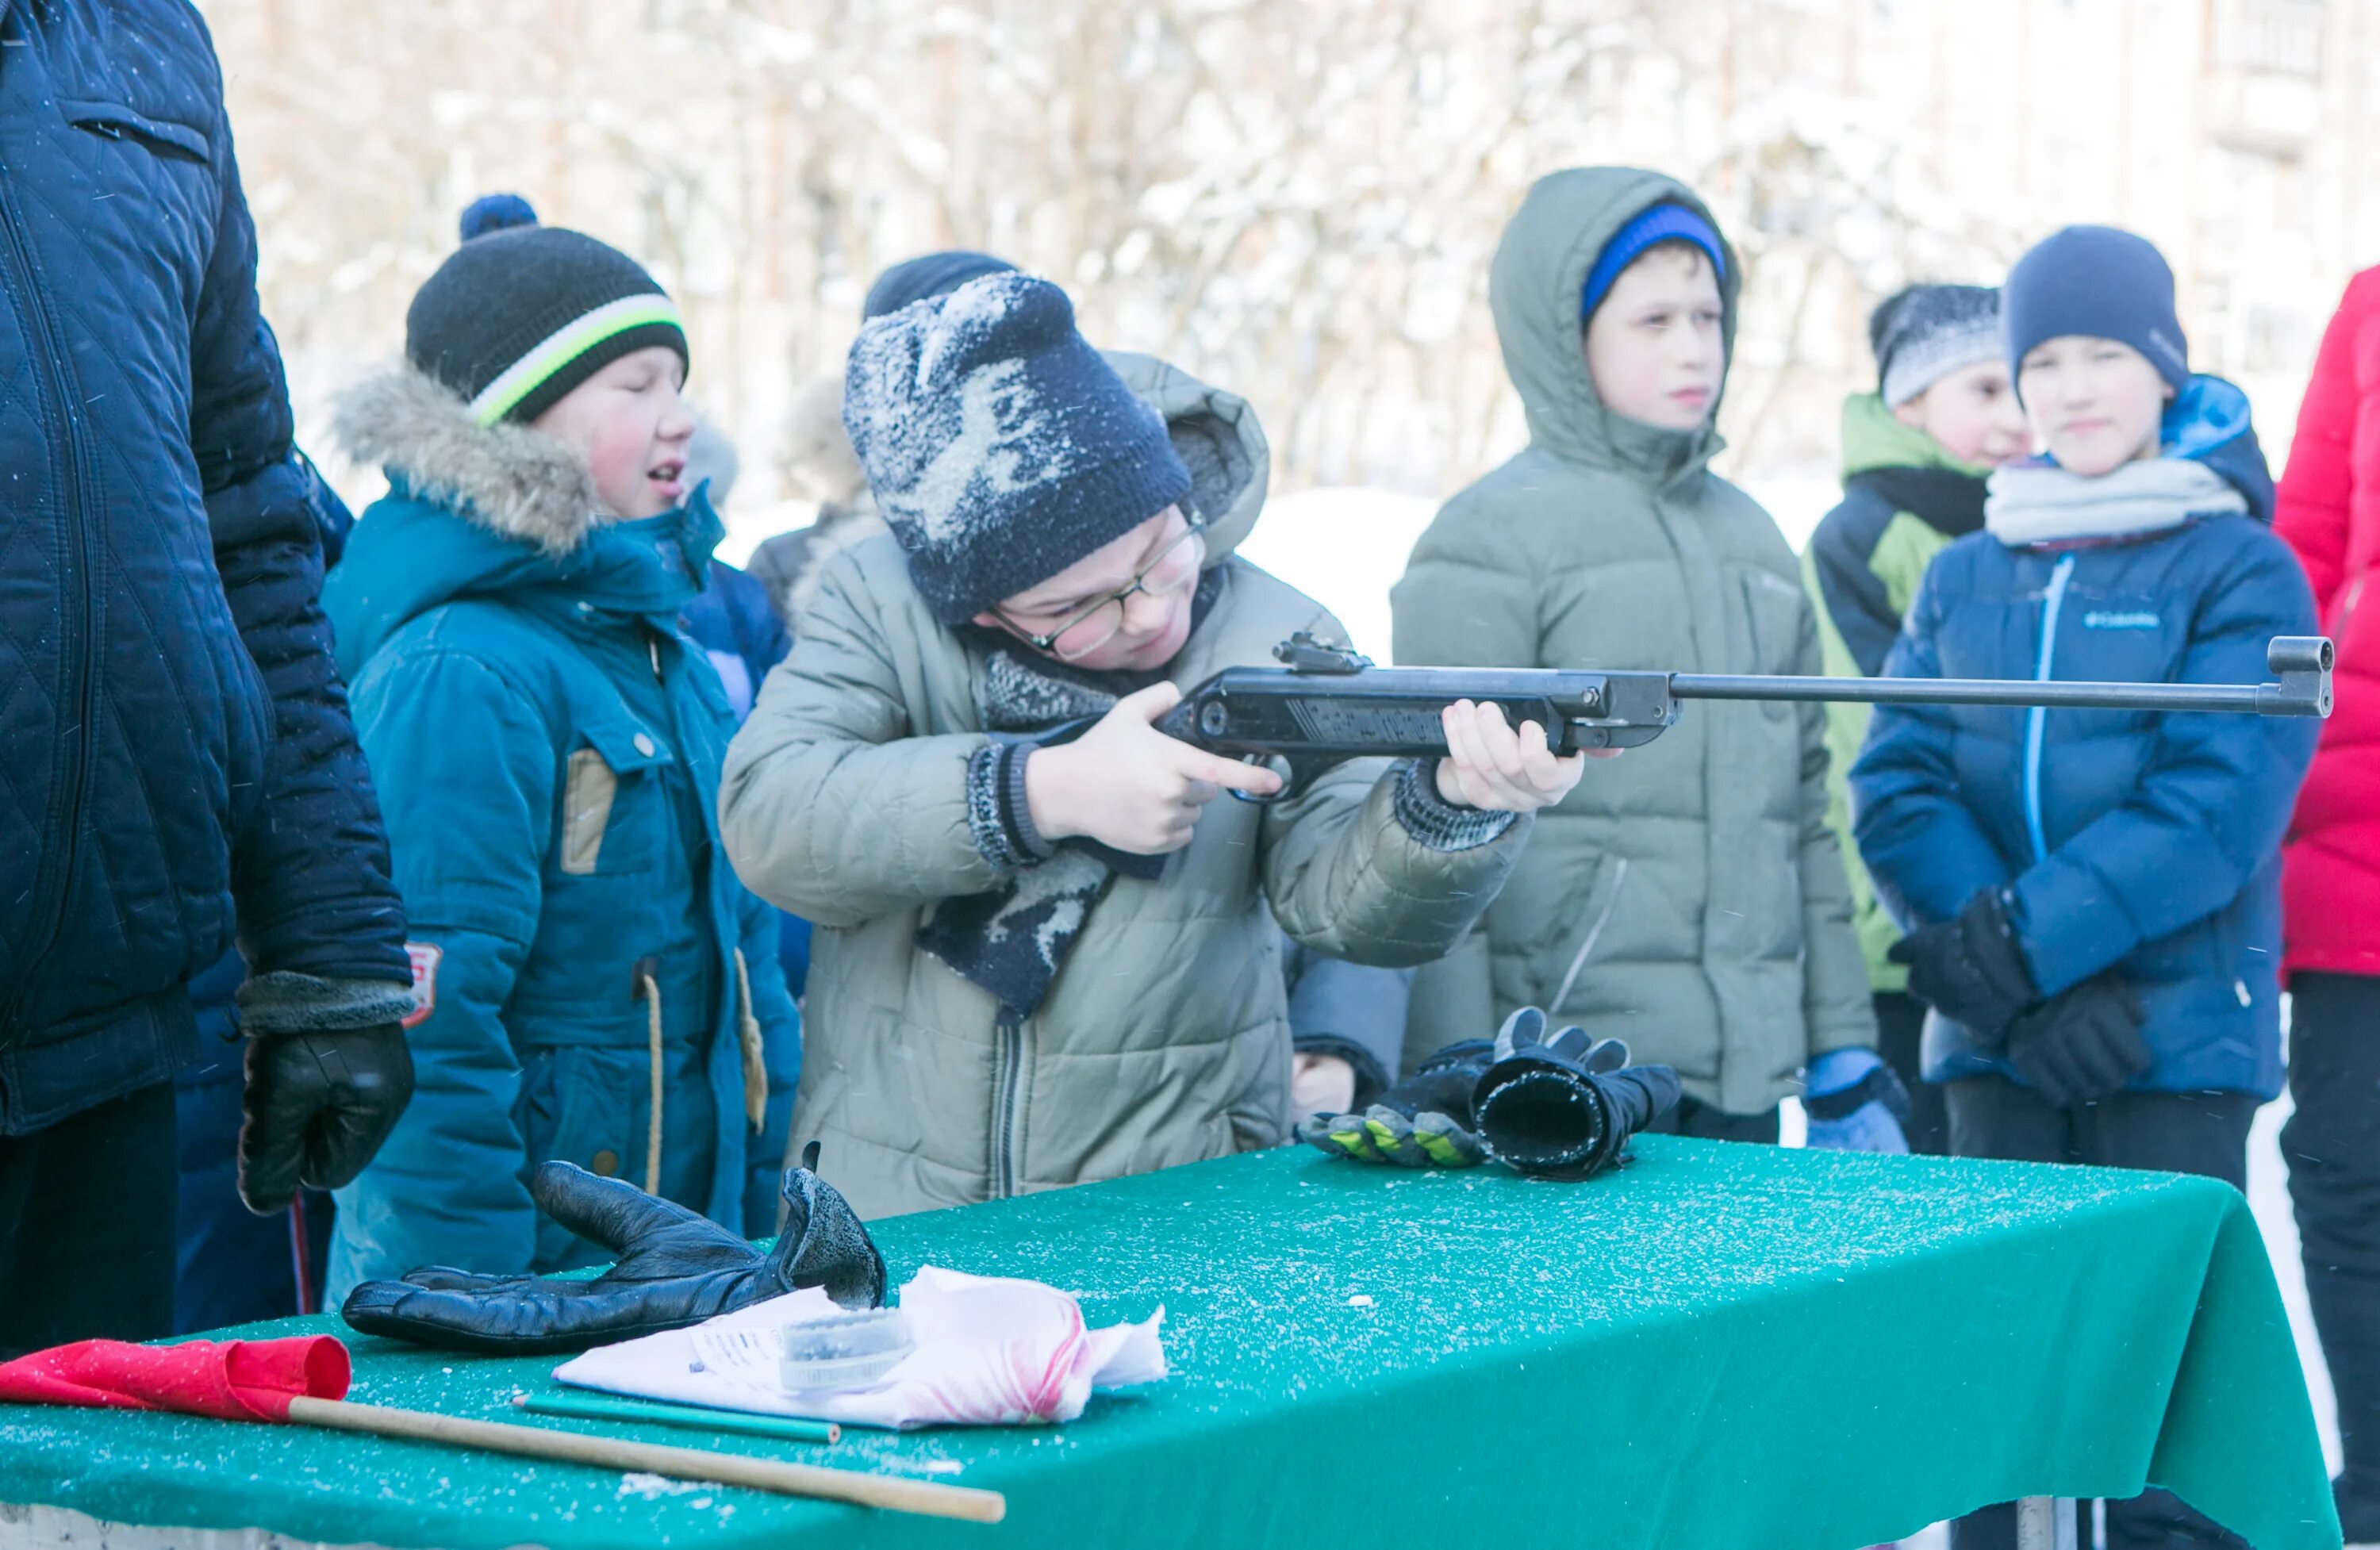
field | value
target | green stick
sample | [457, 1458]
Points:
[589, 1407]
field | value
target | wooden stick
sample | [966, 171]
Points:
[923, 1498]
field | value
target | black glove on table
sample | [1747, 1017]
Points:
[2081, 1045]
[1969, 968]
[1422, 1121]
[1563, 1107]
[676, 1268]
[328, 1073]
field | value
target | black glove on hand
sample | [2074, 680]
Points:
[2081, 1045]
[317, 1107]
[1969, 968]
[676, 1268]
[1563, 1107]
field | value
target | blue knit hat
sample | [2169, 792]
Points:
[999, 446]
[928, 274]
[2102, 284]
[1655, 224]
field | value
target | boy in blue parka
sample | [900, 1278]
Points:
[592, 983]
[2093, 896]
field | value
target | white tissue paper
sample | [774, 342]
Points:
[989, 1352]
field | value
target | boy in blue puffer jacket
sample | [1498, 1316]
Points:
[592, 983]
[2093, 896]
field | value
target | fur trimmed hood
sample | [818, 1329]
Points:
[513, 481]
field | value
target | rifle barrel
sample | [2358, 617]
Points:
[2248, 698]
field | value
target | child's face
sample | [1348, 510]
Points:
[1654, 348]
[2094, 403]
[630, 423]
[1078, 606]
[1973, 414]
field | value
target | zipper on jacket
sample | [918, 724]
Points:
[53, 875]
[1007, 1086]
[2051, 601]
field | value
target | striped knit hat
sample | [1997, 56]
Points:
[522, 313]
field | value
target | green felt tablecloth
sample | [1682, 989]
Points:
[1721, 1346]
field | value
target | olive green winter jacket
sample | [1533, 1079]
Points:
[1164, 1038]
[1688, 896]
[1862, 569]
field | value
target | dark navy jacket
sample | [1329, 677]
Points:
[2148, 843]
[173, 730]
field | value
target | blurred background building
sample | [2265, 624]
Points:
[1299, 201]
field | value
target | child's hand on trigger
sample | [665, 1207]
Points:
[1492, 767]
[1128, 785]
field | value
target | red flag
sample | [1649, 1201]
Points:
[232, 1380]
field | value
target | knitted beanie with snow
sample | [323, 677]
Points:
[522, 313]
[999, 446]
[1922, 333]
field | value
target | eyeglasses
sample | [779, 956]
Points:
[1176, 565]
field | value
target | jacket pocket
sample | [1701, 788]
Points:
[612, 803]
[1773, 609]
[1586, 934]
[579, 1106]
[115, 121]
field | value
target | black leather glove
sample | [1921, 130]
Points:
[676, 1268]
[2081, 1045]
[1563, 1107]
[317, 1107]
[1969, 968]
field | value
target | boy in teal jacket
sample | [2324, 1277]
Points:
[591, 982]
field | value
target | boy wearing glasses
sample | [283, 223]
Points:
[1045, 958]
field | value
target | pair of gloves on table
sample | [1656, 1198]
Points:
[2072, 1048]
[1553, 1106]
[1564, 1105]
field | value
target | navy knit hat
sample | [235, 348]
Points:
[1653, 224]
[521, 313]
[999, 446]
[932, 275]
[2100, 283]
[1922, 333]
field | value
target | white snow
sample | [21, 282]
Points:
[1344, 548]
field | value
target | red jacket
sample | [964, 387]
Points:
[2329, 513]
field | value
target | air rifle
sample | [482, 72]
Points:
[1327, 703]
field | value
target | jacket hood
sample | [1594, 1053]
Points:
[1873, 439]
[1216, 435]
[494, 512]
[514, 480]
[2209, 422]
[1533, 288]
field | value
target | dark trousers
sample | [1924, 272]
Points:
[87, 1225]
[2332, 1146]
[1700, 1121]
[2206, 1133]
[1900, 1020]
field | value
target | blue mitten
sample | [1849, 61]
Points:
[1855, 1103]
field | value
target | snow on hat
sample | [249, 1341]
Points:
[928, 275]
[1653, 224]
[999, 446]
[522, 313]
[2102, 284]
[1922, 333]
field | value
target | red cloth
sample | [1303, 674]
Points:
[232, 1380]
[2329, 513]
